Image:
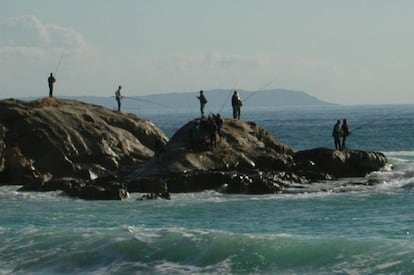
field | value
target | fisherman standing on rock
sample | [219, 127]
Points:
[345, 132]
[118, 97]
[236, 104]
[203, 102]
[51, 80]
[337, 133]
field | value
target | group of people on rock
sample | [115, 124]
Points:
[340, 131]
[204, 132]
[236, 104]
[236, 101]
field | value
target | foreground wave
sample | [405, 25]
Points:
[128, 249]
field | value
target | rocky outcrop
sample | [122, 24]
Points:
[242, 146]
[339, 164]
[91, 152]
[247, 159]
[107, 189]
[67, 138]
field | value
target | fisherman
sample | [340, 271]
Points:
[203, 102]
[212, 128]
[336, 133]
[345, 133]
[236, 103]
[118, 97]
[219, 123]
[159, 148]
[51, 80]
[196, 135]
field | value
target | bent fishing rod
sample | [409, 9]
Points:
[259, 90]
[58, 64]
[147, 101]
[228, 96]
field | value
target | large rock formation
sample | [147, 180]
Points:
[347, 163]
[247, 159]
[67, 138]
[242, 146]
[92, 152]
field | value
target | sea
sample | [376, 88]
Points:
[330, 227]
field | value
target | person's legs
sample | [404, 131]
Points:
[343, 142]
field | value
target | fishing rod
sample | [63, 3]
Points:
[370, 122]
[259, 90]
[228, 96]
[60, 61]
[148, 101]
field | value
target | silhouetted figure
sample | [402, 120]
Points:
[336, 133]
[219, 124]
[51, 81]
[196, 135]
[159, 149]
[118, 97]
[236, 104]
[212, 128]
[345, 133]
[203, 102]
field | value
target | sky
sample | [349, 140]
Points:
[345, 52]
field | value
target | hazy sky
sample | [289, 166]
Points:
[349, 51]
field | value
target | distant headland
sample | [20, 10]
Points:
[218, 99]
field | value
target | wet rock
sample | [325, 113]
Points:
[339, 164]
[18, 168]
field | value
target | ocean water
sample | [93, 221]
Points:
[343, 229]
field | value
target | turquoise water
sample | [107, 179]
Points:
[344, 229]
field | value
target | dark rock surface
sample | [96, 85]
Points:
[243, 146]
[347, 163]
[247, 159]
[67, 138]
[91, 152]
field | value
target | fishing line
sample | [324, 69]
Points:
[229, 94]
[58, 64]
[370, 122]
[147, 101]
[259, 90]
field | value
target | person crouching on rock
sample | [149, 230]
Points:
[212, 128]
[219, 123]
[159, 148]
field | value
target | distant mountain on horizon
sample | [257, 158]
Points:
[218, 100]
[217, 97]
